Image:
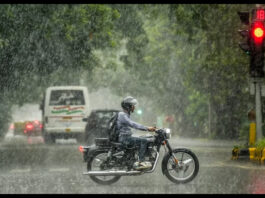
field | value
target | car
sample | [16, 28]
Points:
[28, 128]
[97, 124]
[33, 128]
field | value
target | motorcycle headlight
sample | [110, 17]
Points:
[168, 133]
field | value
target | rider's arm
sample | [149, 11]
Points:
[126, 120]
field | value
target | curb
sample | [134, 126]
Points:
[252, 153]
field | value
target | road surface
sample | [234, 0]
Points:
[57, 169]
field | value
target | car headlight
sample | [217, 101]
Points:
[168, 133]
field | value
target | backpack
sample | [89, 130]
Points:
[112, 128]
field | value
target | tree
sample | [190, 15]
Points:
[37, 41]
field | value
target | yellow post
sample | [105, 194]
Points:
[252, 154]
[252, 134]
[252, 127]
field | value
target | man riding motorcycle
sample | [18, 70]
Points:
[124, 125]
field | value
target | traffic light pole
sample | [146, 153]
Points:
[257, 83]
[254, 46]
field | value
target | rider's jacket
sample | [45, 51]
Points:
[124, 125]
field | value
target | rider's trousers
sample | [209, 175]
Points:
[130, 141]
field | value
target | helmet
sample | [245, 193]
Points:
[128, 102]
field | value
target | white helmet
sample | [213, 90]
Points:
[128, 102]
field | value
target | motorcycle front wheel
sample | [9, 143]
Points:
[181, 166]
[98, 163]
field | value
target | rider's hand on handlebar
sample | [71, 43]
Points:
[151, 128]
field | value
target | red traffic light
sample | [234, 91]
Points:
[258, 32]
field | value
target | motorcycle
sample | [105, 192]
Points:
[108, 161]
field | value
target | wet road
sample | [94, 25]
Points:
[58, 169]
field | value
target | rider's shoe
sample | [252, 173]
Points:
[142, 165]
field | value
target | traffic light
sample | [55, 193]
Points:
[257, 33]
[245, 46]
[253, 43]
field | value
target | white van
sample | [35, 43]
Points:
[63, 109]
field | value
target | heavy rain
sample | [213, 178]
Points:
[66, 68]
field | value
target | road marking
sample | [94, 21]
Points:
[29, 170]
[20, 170]
[59, 169]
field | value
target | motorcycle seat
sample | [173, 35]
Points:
[116, 144]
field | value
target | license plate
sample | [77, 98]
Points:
[67, 130]
[67, 118]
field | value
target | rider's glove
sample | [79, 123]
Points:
[151, 128]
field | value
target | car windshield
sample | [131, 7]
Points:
[105, 114]
[101, 118]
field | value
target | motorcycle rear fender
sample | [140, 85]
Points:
[86, 151]
[89, 152]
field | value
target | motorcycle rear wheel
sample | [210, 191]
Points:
[94, 165]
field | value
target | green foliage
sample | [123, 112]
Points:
[260, 145]
[45, 45]
[186, 59]
[244, 131]
[5, 116]
[209, 32]
[43, 38]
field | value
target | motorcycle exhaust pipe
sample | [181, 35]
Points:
[120, 173]
[111, 173]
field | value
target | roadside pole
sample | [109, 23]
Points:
[258, 109]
